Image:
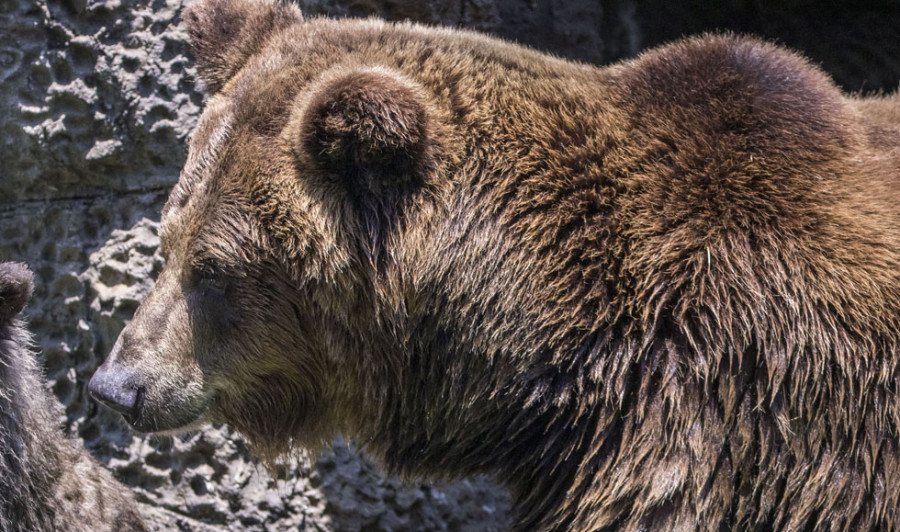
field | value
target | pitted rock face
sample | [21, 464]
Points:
[95, 91]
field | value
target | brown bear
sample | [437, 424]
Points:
[47, 481]
[659, 295]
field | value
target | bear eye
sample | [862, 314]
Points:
[207, 277]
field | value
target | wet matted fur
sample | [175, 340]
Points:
[660, 295]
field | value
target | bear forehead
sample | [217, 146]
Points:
[207, 143]
[198, 213]
[229, 185]
[254, 106]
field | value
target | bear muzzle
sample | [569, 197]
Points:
[161, 399]
[120, 389]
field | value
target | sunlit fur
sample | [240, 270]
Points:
[47, 481]
[660, 295]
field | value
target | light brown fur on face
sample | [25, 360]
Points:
[661, 295]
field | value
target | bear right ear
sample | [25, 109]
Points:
[375, 131]
[225, 33]
[16, 284]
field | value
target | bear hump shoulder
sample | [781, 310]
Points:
[742, 87]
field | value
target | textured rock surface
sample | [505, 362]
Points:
[96, 101]
[98, 97]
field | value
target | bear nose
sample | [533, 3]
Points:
[114, 389]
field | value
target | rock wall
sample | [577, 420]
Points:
[97, 99]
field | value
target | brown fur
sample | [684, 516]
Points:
[662, 295]
[47, 482]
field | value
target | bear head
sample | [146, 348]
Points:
[295, 179]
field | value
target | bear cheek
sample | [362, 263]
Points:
[217, 324]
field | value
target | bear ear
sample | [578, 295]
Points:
[16, 284]
[225, 33]
[374, 131]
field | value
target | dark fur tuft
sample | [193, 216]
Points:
[371, 132]
[16, 285]
[370, 128]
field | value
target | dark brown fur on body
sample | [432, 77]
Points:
[662, 295]
[47, 482]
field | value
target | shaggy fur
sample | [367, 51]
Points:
[661, 295]
[47, 482]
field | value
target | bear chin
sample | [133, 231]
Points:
[169, 422]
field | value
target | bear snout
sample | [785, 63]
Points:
[116, 388]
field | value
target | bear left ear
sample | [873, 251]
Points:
[225, 33]
[373, 130]
[16, 285]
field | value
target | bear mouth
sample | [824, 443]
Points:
[146, 419]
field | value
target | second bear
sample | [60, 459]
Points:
[47, 481]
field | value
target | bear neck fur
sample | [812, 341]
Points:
[635, 370]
